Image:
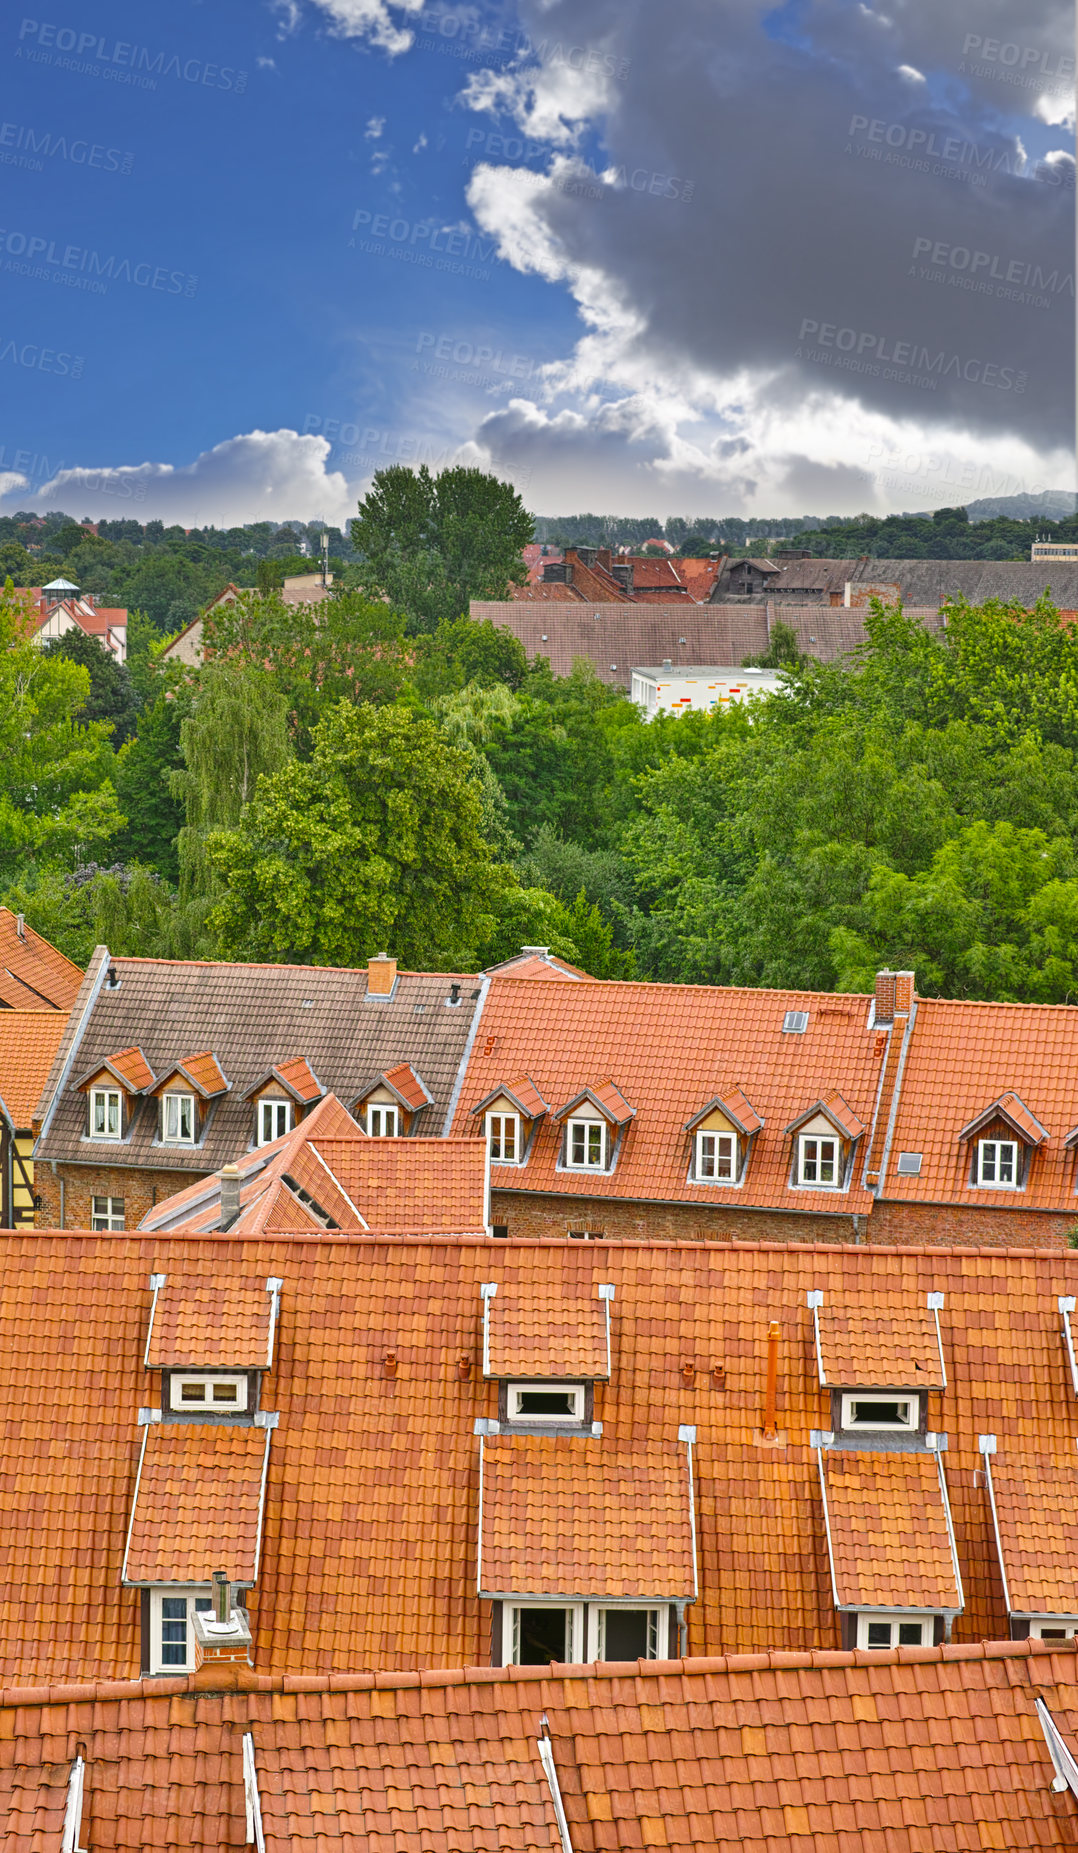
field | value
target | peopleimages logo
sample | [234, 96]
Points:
[81, 268]
[909, 363]
[33, 142]
[94, 55]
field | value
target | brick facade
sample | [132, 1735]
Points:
[140, 1190]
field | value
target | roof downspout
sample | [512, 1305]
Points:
[827, 1523]
[687, 1434]
[950, 1529]
[73, 1812]
[546, 1758]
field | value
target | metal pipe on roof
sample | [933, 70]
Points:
[771, 1393]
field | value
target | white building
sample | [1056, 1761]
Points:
[671, 690]
[60, 607]
[1054, 550]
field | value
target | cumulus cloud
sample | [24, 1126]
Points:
[791, 257]
[259, 476]
[375, 21]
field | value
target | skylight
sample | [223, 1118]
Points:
[795, 1022]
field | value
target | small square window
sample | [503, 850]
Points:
[894, 1630]
[795, 1022]
[629, 1634]
[545, 1402]
[106, 1212]
[274, 1120]
[383, 1122]
[503, 1133]
[200, 1391]
[1063, 1629]
[899, 1415]
[542, 1634]
[716, 1157]
[819, 1162]
[909, 1164]
[178, 1119]
[170, 1627]
[586, 1145]
[106, 1113]
[997, 1163]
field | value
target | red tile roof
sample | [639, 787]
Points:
[537, 964]
[888, 1531]
[202, 1324]
[739, 1110]
[924, 1749]
[890, 1347]
[198, 1504]
[1008, 1107]
[203, 1072]
[29, 1040]
[33, 975]
[568, 1515]
[296, 1077]
[1035, 1498]
[522, 1093]
[607, 1098]
[128, 1066]
[668, 1049]
[544, 1333]
[409, 1088]
[834, 1108]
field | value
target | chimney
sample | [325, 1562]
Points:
[885, 999]
[223, 1633]
[454, 994]
[381, 975]
[20, 925]
[230, 1195]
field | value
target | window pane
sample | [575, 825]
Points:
[626, 1634]
[225, 1393]
[707, 1154]
[545, 1402]
[873, 1412]
[192, 1392]
[595, 1145]
[725, 1156]
[988, 1163]
[577, 1137]
[542, 1636]
[910, 1633]
[1006, 1164]
[879, 1634]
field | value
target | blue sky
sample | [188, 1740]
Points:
[633, 258]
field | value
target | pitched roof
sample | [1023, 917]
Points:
[1015, 1113]
[566, 1515]
[202, 1072]
[1035, 1509]
[545, 1332]
[891, 1346]
[537, 962]
[128, 1066]
[33, 974]
[921, 1749]
[29, 1040]
[667, 1048]
[522, 1093]
[199, 1323]
[198, 1504]
[834, 1108]
[737, 1108]
[296, 1077]
[603, 1095]
[254, 1018]
[888, 1530]
[410, 1089]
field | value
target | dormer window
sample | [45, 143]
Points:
[585, 1145]
[201, 1392]
[716, 1157]
[723, 1134]
[545, 1403]
[997, 1163]
[881, 1413]
[274, 1120]
[106, 1113]
[171, 1633]
[178, 1119]
[383, 1122]
[819, 1161]
[511, 1115]
[503, 1138]
[825, 1138]
[894, 1630]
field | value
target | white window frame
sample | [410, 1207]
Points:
[898, 1619]
[389, 1120]
[279, 1107]
[503, 1128]
[1054, 1628]
[208, 1379]
[106, 1094]
[192, 1594]
[585, 1127]
[715, 1156]
[658, 1627]
[804, 1140]
[511, 1630]
[574, 1390]
[912, 1401]
[110, 1217]
[177, 1103]
[997, 1147]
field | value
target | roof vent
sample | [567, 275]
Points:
[909, 1164]
[230, 1194]
[795, 1022]
[667, 664]
[454, 995]
[20, 925]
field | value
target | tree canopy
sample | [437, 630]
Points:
[428, 543]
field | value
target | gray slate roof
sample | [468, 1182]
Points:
[251, 1017]
[929, 582]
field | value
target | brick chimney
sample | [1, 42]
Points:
[894, 997]
[223, 1633]
[230, 1194]
[381, 975]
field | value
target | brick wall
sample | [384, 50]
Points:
[140, 1190]
[944, 1225]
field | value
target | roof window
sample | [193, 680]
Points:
[909, 1164]
[220, 1395]
[795, 1022]
[546, 1403]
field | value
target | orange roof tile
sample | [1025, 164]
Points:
[546, 1334]
[523, 1094]
[568, 1515]
[1008, 1107]
[606, 1097]
[412, 1186]
[202, 1323]
[1035, 1498]
[128, 1066]
[29, 1040]
[924, 1749]
[541, 963]
[198, 1504]
[834, 1108]
[886, 1347]
[204, 1073]
[889, 1537]
[737, 1108]
[297, 1077]
[409, 1088]
[667, 1049]
[33, 974]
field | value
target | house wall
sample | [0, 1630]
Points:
[941, 1225]
[140, 1190]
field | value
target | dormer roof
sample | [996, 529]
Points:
[128, 1066]
[404, 1084]
[1014, 1113]
[201, 1072]
[738, 1110]
[296, 1078]
[545, 1332]
[522, 1094]
[200, 1323]
[1034, 1504]
[894, 1344]
[198, 1505]
[889, 1535]
[605, 1098]
[835, 1109]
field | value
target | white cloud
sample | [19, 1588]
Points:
[258, 476]
[374, 128]
[911, 76]
[1057, 108]
[373, 20]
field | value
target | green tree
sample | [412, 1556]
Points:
[429, 544]
[783, 651]
[374, 842]
[144, 787]
[111, 698]
[234, 732]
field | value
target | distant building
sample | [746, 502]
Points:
[60, 607]
[680, 691]
[186, 647]
[1054, 550]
